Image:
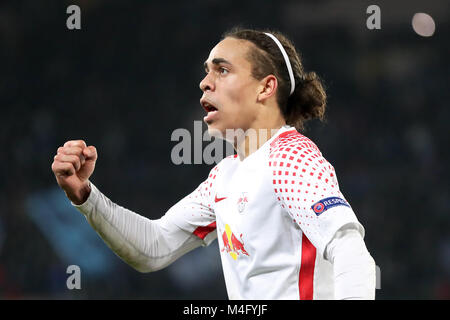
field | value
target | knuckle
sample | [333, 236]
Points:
[57, 167]
[74, 151]
[80, 143]
[67, 166]
[74, 159]
[74, 143]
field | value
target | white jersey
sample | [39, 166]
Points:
[273, 214]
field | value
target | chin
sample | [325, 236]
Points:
[227, 133]
[216, 132]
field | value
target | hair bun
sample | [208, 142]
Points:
[307, 102]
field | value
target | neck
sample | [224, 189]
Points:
[252, 139]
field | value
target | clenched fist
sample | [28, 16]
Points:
[73, 164]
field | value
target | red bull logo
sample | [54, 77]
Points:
[231, 244]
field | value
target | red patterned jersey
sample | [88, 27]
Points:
[273, 214]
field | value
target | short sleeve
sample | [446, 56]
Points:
[306, 187]
[195, 212]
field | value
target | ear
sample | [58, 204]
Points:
[267, 88]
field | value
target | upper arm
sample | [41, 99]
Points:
[306, 187]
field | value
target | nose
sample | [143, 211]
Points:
[207, 84]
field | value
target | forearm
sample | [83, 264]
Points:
[354, 267]
[147, 245]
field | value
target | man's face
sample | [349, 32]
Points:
[229, 90]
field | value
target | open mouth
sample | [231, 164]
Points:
[208, 107]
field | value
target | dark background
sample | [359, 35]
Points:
[129, 78]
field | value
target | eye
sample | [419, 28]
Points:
[223, 71]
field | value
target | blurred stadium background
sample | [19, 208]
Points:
[130, 77]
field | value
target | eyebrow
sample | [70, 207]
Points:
[216, 61]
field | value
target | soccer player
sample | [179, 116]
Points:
[285, 229]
